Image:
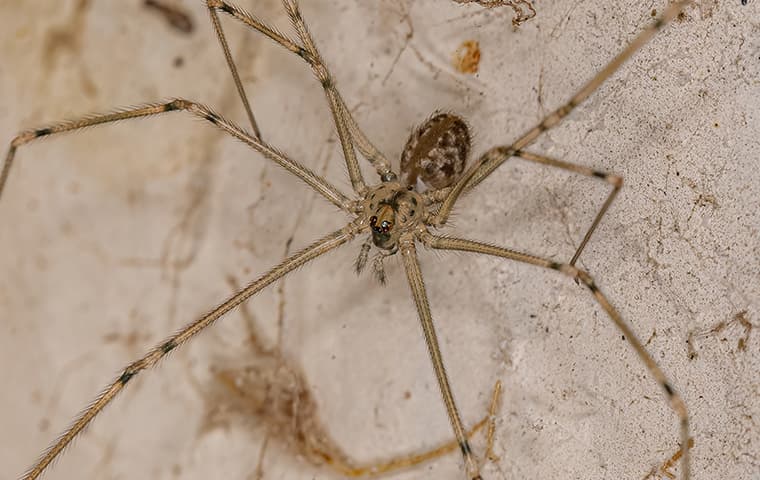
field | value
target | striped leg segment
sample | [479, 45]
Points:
[328, 191]
[675, 401]
[320, 247]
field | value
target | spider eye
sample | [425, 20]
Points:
[386, 226]
[373, 221]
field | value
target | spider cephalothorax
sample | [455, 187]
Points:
[393, 209]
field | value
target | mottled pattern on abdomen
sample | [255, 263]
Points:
[436, 152]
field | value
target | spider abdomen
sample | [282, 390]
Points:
[436, 151]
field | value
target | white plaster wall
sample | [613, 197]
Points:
[114, 237]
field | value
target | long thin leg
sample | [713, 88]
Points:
[328, 83]
[613, 180]
[309, 52]
[340, 111]
[439, 195]
[311, 252]
[498, 155]
[414, 275]
[369, 151]
[328, 191]
[347, 127]
[233, 70]
[676, 403]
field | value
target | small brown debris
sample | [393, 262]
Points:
[467, 57]
[724, 330]
[664, 470]
[519, 18]
[177, 18]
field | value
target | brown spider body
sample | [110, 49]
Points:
[436, 152]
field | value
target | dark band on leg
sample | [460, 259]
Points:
[227, 9]
[126, 376]
[168, 346]
[465, 447]
[211, 117]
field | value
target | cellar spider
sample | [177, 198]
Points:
[391, 213]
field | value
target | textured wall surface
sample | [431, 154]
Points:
[112, 238]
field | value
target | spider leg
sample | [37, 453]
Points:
[316, 249]
[368, 149]
[328, 191]
[349, 133]
[362, 142]
[613, 180]
[494, 157]
[342, 114]
[440, 195]
[675, 400]
[328, 83]
[417, 285]
[219, 31]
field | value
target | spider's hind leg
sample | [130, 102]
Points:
[614, 180]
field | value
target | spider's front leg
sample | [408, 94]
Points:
[323, 187]
[350, 134]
